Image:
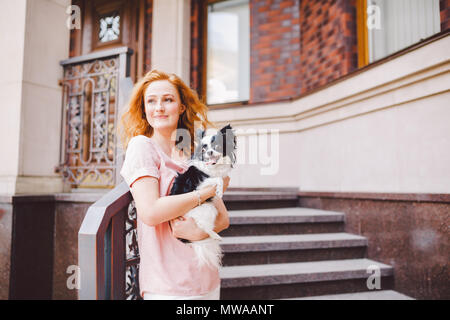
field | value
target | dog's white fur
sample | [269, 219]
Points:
[208, 251]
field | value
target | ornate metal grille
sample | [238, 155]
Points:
[132, 255]
[91, 106]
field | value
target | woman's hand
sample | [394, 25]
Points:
[186, 228]
[222, 220]
[207, 192]
[210, 190]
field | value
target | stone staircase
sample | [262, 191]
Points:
[295, 253]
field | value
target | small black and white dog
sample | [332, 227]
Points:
[213, 159]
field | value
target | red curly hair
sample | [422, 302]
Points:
[133, 121]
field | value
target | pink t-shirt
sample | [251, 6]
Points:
[167, 266]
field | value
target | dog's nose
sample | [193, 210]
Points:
[210, 153]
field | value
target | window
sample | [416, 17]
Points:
[109, 27]
[108, 23]
[390, 26]
[228, 52]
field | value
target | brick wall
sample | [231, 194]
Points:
[445, 14]
[328, 41]
[297, 46]
[275, 50]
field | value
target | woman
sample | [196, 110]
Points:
[160, 104]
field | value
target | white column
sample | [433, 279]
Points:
[35, 38]
[171, 37]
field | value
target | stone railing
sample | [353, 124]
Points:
[108, 254]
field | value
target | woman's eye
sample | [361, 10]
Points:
[169, 100]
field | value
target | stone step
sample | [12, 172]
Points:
[291, 242]
[285, 280]
[367, 295]
[292, 248]
[247, 199]
[283, 221]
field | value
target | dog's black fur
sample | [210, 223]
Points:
[188, 181]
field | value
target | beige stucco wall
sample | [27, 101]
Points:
[12, 18]
[30, 97]
[171, 22]
[383, 130]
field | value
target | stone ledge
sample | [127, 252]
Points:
[410, 197]
[79, 197]
[88, 197]
[27, 198]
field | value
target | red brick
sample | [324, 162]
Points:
[322, 55]
[269, 26]
[270, 44]
[264, 9]
[285, 4]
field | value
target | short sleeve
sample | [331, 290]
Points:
[141, 159]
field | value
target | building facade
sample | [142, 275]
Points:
[346, 101]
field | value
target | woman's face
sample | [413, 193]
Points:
[162, 105]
